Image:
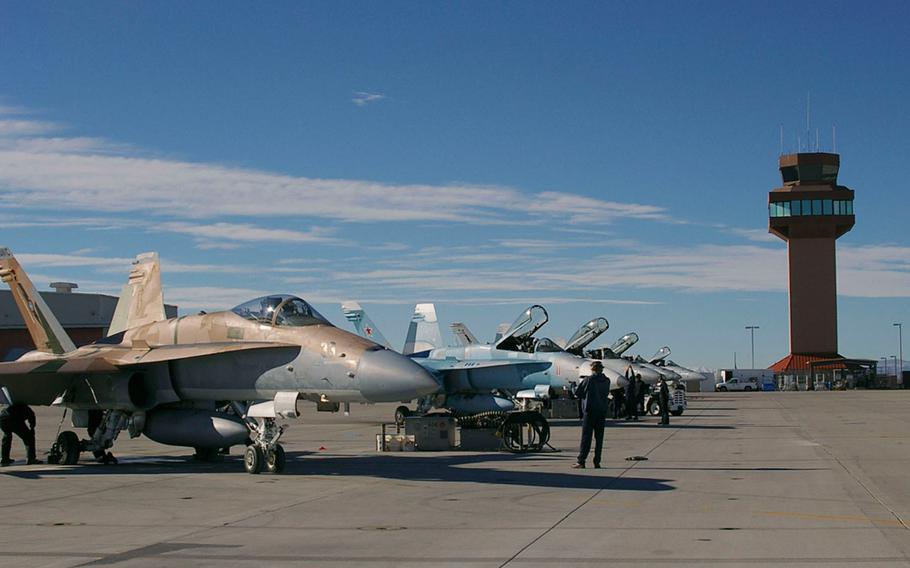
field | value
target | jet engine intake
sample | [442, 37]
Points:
[195, 428]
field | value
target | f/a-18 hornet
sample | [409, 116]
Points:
[206, 381]
[555, 371]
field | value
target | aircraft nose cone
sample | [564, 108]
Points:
[386, 376]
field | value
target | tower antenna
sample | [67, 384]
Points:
[781, 139]
[808, 128]
[834, 137]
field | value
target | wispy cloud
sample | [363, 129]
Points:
[363, 98]
[212, 235]
[41, 171]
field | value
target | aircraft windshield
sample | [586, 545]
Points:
[547, 345]
[283, 310]
[588, 333]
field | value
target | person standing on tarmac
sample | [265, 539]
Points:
[18, 419]
[641, 389]
[631, 395]
[663, 401]
[592, 391]
[619, 403]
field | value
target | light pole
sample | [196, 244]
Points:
[900, 343]
[752, 329]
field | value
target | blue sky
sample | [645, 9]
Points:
[600, 158]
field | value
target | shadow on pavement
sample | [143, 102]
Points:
[401, 466]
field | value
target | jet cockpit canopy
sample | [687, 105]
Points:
[661, 354]
[515, 339]
[586, 334]
[623, 343]
[280, 310]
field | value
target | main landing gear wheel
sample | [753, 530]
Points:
[275, 459]
[401, 413]
[253, 460]
[65, 450]
[676, 412]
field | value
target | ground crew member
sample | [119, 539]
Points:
[663, 401]
[641, 390]
[619, 403]
[18, 419]
[631, 395]
[592, 391]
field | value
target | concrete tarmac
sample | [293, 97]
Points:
[742, 479]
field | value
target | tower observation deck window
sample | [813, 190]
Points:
[810, 207]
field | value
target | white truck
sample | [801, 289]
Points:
[739, 384]
[677, 400]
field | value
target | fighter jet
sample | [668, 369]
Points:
[556, 370]
[612, 356]
[207, 381]
[590, 331]
[661, 362]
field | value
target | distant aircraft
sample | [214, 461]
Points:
[207, 381]
[661, 362]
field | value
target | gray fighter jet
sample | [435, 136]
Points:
[555, 371]
[208, 381]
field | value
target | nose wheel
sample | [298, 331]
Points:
[256, 460]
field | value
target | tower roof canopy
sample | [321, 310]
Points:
[809, 168]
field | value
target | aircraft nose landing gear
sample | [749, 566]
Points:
[265, 453]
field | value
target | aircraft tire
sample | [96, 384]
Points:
[253, 460]
[275, 460]
[676, 412]
[68, 444]
[653, 408]
[401, 413]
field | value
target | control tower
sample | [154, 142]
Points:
[810, 212]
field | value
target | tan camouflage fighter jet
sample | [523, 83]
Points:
[208, 381]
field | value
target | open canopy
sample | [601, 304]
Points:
[586, 334]
[528, 322]
[281, 310]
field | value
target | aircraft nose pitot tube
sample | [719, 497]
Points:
[386, 376]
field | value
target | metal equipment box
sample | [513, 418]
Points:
[479, 439]
[562, 408]
[431, 432]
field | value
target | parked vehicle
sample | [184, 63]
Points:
[738, 384]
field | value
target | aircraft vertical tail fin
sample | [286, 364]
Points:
[423, 333]
[463, 334]
[363, 324]
[47, 333]
[141, 299]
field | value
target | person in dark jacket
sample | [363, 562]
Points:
[663, 401]
[592, 392]
[619, 403]
[18, 419]
[641, 390]
[631, 395]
